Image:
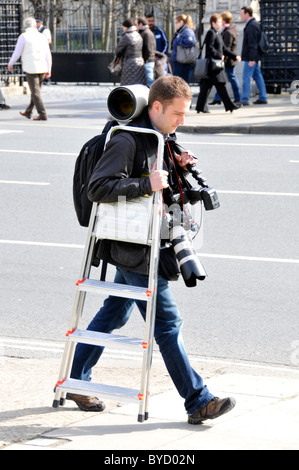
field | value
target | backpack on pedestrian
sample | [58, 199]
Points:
[87, 159]
[263, 43]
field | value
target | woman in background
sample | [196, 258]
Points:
[129, 49]
[215, 49]
[185, 37]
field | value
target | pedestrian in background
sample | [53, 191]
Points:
[34, 49]
[43, 29]
[215, 49]
[129, 49]
[3, 104]
[161, 39]
[148, 50]
[184, 37]
[229, 36]
[162, 66]
[251, 55]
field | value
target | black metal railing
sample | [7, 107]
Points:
[280, 21]
[10, 29]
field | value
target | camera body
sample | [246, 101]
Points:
[181, 225]
[202, 193]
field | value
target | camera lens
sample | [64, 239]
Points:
[190, 266]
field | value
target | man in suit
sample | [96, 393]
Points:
[251, 55]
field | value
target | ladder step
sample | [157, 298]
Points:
[104, 339]
[114, 289]
[80, 387]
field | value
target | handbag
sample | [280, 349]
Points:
[115, 66]
[201, 70]
[187, 55]
[216, 65]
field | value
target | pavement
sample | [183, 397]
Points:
[279, 116]
[266, 416]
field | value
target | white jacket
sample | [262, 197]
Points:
[34, 49]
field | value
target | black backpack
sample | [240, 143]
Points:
[263, 43]
[86, 161]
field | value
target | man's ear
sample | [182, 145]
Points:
[157, 107]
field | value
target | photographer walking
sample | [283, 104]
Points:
[127, 168]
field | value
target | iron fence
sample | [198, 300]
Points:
[280, 20]
[10, 29]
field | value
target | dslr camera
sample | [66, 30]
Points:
[183, 228]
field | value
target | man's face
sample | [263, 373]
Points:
[243, 16]
[151, 22]
[169, 117]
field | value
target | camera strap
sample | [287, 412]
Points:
[177, 176]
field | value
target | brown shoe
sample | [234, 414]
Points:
[24, 114]
[39, 118]
[86, 403]
[215, 408]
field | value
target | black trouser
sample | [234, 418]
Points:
[205, 88]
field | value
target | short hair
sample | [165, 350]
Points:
[128, 23]
[214, 18]
[165, 89]
[142, 20]
[227, 16]
[248, 10]
[29, 23]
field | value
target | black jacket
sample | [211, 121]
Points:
[215, 49]
[123, 170]
[250, 46]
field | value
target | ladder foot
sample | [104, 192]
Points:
[55, 403]
[62, 401]
[140, 418]
[146, 416]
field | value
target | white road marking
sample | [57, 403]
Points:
[24, 182]
[2, 131]
[206, 255]
[37, 152]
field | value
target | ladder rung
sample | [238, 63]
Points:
[105, 339]
[80, 387]
[114, 289]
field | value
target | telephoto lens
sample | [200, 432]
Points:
[127, 102]
[190, 266]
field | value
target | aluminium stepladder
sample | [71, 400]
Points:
[65, 384]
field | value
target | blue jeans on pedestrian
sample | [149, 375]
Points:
[116, 312]
[255, 73]
[183, 70]
[230, 72]
[149, 72]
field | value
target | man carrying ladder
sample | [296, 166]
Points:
[127, 169]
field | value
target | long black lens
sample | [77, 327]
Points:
[190, 266]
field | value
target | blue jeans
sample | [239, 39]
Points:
[149, 72]
[230, 72]
[183, 70]
[116, 312]
[255, 73]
